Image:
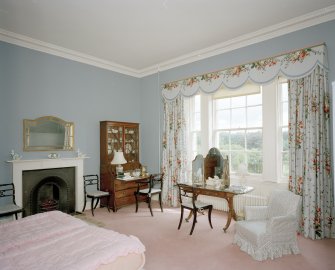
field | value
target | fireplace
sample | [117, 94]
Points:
[48, 189]
[51, 185]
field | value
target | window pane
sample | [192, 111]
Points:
[254, 99]
[254, 140]
[285, 138]
[284, 91]
[238, 101]
[223, 103]
[237, 140]
[222, 140]
[197, 103]
[196, 142]
[285, 164]
[197, 121]
[237, 157]
[238, 118]
[254, 115]
[284, 114]
[255, 162]
[223, 119]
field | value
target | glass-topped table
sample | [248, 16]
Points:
[226, 193]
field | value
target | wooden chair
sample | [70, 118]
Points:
[9, 207]
[96, 193]
[188, 200]
[155, 186]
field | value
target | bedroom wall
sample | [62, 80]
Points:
[151, 119]
[307, 37]
[35, 84]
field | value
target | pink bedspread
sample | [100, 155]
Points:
[55, 240]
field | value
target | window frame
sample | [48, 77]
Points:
[281, 176]
[270, 133]
[244, 152]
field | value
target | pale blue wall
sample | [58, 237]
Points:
[151, 101]
[310, 36]
[35, 84]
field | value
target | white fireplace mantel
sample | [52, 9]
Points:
[18, 166]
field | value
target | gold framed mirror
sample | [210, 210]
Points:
[48, 133]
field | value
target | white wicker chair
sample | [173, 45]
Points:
[269, 232]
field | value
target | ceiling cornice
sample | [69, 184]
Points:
[49, 48]
[310, 19]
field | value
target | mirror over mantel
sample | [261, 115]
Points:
[48, 133]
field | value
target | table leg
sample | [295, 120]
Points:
[231, 212]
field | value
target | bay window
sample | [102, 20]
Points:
[249, 125]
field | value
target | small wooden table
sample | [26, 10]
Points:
[225, 193]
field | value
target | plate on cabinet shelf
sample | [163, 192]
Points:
[128, 148]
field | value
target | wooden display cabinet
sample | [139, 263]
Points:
[115, 136]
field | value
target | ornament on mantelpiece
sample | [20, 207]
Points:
[14, 156]
[80, 154]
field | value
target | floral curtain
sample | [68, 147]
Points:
[174, 149]
[292, 65]
[309, 134]
[310, 154]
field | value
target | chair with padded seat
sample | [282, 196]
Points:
[92, 191]
[154, 185]
[8, 206]
[269, 232]
[188, 200]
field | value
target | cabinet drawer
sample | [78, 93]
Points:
[210, 193]
[125, 193]
[124, 201]
[121, 185]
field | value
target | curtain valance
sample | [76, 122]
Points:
[293, 65]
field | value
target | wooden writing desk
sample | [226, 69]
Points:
[225, 193]
[122, 191]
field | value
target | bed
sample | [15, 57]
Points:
[55, 240]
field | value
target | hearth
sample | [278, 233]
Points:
[48, 189]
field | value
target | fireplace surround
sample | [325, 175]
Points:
[77, 163]
[47, 190]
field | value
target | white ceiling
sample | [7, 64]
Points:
[139, 37]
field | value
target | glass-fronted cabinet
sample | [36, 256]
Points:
[116, 136]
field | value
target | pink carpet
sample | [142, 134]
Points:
[169, 248]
